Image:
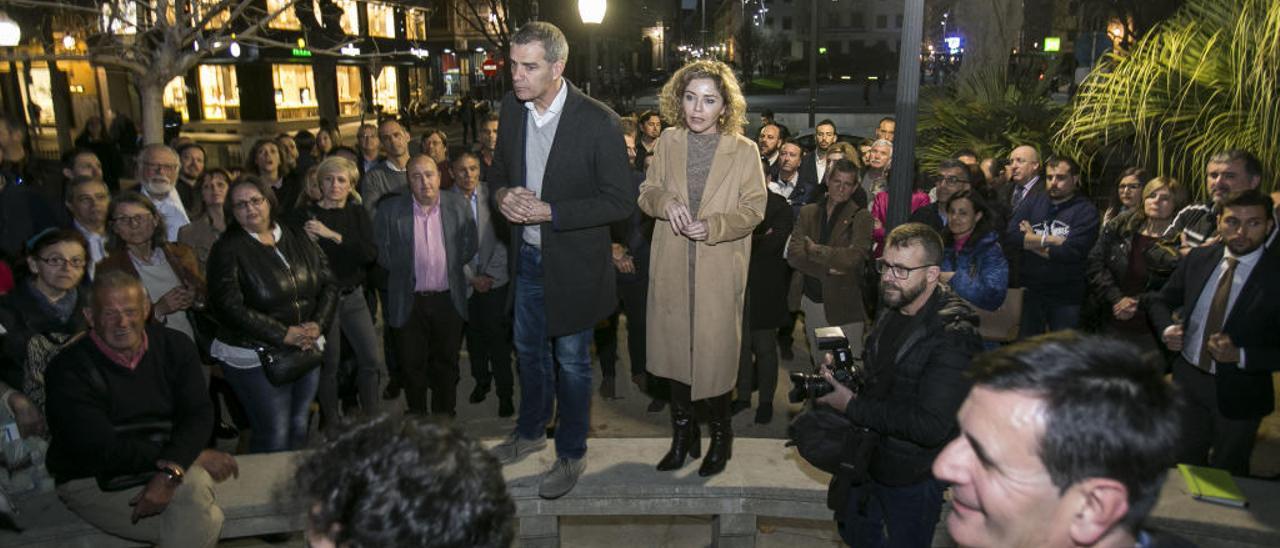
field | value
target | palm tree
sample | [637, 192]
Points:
[988, 112]
[1203, 81]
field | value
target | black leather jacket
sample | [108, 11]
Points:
[912, 404]
[256, 297]
[1109, 261]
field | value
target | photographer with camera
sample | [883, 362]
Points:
[913, 382]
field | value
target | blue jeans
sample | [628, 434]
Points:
[908, 514]
[277, 414]
[542, 383]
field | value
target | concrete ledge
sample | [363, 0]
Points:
[763, 479]
[249, 504]
[1215, 525]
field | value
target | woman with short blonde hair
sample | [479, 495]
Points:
[706, 191]
[345, 233]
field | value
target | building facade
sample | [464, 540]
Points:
[390, 58]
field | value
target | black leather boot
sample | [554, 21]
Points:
[721, 448]
[686, 439]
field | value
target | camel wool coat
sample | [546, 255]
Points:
[702, 350]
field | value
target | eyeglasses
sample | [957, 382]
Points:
[59, 262]
[255, 201]
[952, 180]
[134, 220]
[899, 272]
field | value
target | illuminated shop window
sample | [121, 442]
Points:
[175, 97]
[385, 92]
[219, 93]
[295, 91]
[350, 91]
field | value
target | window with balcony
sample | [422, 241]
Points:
[382, 20]
[120, 17]
[350, 21]
[415, 25]
[212, 20]
[286, 18]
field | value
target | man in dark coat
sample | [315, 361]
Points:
[1229, 296]
[560, 177]
[915, 365]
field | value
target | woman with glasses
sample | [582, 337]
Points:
[1128, 196]
[169, 271]
[972, 262]
[45, 310]
[344, 232]
[270, 288]
[266, 162]
[1131, 257]
[207, 219]
[706, 190]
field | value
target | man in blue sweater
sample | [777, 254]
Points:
[1055, 231]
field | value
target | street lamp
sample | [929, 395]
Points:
[10, 33]
[592, 11]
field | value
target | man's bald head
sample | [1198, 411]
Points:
[1024, 163]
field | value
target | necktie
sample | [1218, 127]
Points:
[1217, 312]
[1017, 195]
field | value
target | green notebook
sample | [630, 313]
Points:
[1212, 485]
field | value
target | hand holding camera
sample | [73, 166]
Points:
[837, 380]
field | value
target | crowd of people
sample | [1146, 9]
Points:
[142, 321]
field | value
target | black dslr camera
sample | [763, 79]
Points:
[846, 369]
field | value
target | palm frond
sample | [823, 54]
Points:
[1205, 80]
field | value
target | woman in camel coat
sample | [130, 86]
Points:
[706, 191]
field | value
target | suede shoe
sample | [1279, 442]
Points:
[514, 448]
[561, 478]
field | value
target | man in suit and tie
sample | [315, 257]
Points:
[1228, 295]
[488, 329]
[425, 238]
[1024, 176]
[1022, 190]
[814, 166]
[560, 176]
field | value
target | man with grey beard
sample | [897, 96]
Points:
[157, 175]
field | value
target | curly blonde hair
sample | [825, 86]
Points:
[734, 116]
